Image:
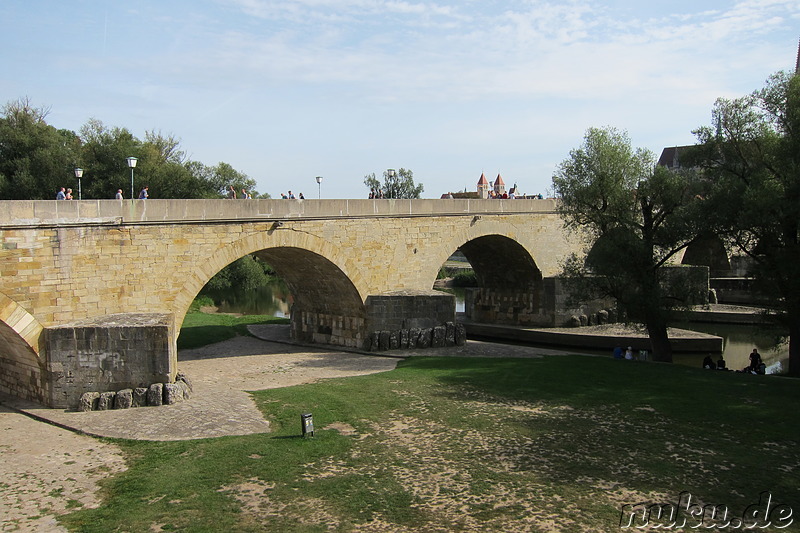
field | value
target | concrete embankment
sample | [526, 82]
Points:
[595, 337]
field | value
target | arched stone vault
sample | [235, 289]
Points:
[298, 258]
[21, 370]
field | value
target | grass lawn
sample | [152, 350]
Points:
[560, 443]
[201, 329]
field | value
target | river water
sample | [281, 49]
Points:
[739, 340]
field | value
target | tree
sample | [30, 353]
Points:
[751, 157]
[35, 158]
[398, 184]
[635, 217]
[103, 158]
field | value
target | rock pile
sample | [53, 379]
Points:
[449, 334]
[155, 394]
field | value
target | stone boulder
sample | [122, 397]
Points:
[155, 394]
[106, 401]
[172, 394]
[181, 376]
[123, 399]
[88, 401]
[139, 397]
[460, 334]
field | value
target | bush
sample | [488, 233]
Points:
[247, 273]
[200, 301]
[465, 278]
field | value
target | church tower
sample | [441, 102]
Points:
[483, 187]
[499, 186]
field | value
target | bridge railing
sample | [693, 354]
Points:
[17, 213]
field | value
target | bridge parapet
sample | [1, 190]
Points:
[93, 212]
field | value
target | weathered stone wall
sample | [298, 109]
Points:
[107, 354]
[325, 328]
[409, 309]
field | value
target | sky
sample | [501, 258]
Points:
[287, 90]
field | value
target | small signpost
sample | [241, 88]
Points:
[307, 423]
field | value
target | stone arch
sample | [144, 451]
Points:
[21, 368]
[510, 283]
[500, 262]
[265, 240]
[328, 306]
[492, 248]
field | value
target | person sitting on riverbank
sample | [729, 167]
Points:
[755, 360]
[617, 352]
[721, 364]
[709, 363]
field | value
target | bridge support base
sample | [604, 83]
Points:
[411, 319]
[108, 354]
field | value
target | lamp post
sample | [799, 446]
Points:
[132, 165]
[79, 175]
[319, 186]
[391, 173]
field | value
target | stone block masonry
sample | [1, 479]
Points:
[108, 353]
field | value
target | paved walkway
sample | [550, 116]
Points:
[222, 373]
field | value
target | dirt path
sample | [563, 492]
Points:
[46, 471]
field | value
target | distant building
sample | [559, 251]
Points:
[483, 187]
[499, 186]
[670, 157]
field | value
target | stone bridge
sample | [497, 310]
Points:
[93, 293]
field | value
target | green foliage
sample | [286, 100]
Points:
[465, 278]
[200, 301]
[398, 184]
[751, 157]
[442, 442]
[634, 217]
[246, 273]
[36, 159]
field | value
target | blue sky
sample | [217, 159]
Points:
[288, 90]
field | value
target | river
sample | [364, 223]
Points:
[739, 340]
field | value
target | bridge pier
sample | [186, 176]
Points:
[389, 313]
[110, 353]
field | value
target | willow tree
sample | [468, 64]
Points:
[751, 156]
[635, 217]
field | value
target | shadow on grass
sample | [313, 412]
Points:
[652, 427]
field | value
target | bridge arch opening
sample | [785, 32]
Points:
[326, 306]
[509, 283]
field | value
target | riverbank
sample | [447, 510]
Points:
[604, 337]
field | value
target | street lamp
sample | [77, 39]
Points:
[319, 186]
[79, 175]
[391, 174]
[132, 164]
